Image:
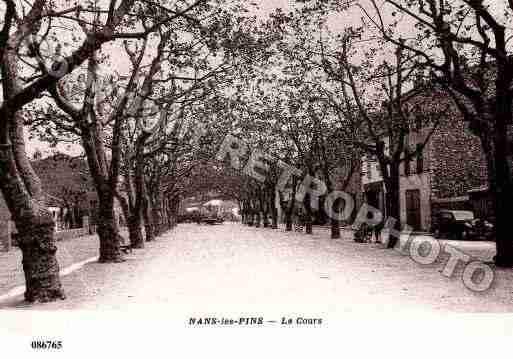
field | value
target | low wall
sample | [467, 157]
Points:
[8, 234]
[5, 236]
[71, 233]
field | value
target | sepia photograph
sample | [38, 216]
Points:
[278, 178]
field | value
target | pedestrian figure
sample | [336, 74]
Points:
[378, 228]
[363, 234]
[299, 220]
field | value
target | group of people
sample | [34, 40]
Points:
[366, 233]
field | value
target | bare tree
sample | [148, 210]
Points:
[372, 99]
[464, 44]
[387, 124]
[20, 186]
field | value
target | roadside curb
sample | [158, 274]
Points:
[18, 290]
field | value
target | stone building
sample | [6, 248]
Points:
[353, 188]
[446, 175]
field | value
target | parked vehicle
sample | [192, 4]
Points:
[461, 225]
[210, 219]
[186, 218]
[482, 230]
[189, 217]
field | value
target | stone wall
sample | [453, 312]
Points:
[8, 233]
[458, 162]
[5, 236]
[453, 161]
[453, 156]
[71, 233]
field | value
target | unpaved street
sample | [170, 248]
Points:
[231, 269]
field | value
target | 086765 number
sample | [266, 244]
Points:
[46, 344]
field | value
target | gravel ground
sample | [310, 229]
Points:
[69, 251]
[233, 269]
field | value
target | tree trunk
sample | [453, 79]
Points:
[289, 207]
[40, 264]
[265, 219]
[335, 228]
[173, 211]
[335, 223]
[23, 195]
[251, 216]
[169, 214]
[148, 224]
[134, 220]
[288, 219]
[308, 224]
[156, 219]
[135, 231]
[37, 243]
[393, 203]
[308, 215]
[257, 219]
[503, 189]
[274, 216]
[110, 240]
[148, 227]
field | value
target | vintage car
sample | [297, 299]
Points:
[461, 225]
[209, 219]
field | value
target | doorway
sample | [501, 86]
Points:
[413, 215]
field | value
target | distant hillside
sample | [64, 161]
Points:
[62, 177]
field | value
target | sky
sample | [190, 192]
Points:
[336, 23]
[33, 145]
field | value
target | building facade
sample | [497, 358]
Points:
[449, 173]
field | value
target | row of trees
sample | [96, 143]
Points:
[130, 81]
[322, 111]
[151, 88]
[362, 79]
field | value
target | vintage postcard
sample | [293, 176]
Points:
[218, 178]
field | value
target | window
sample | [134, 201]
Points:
[418, 118]
[381, 146]
[420, 159]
